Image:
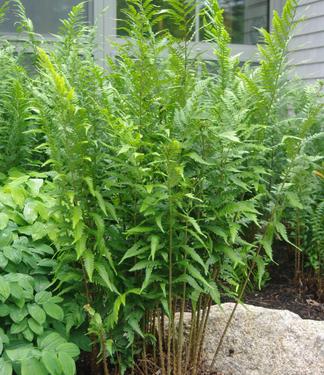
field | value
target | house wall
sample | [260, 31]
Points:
[307, 46]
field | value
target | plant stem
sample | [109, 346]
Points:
[160, 323]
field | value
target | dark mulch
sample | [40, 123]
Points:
[288, 297]
[281, 292]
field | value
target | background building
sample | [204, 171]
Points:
[307, 46]
[242, 18]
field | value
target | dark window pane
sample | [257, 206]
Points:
[45, 14]
[241, 17]
[163, 24]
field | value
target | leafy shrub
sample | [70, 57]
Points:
[33, 338]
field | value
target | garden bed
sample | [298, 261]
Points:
[287, 297]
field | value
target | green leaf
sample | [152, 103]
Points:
[3, 261]
[104, 276]
[68, 348]
[35, 185]
[28, 334]
[67, 363]
[42, 297]
[5, 367]
[4, 310]
[18, 327]
[185, 278]
[19, 353]
[121, 300]
[109, 346]
[232, 255]
[7, 200]
[142, 264]
[135, 325]
[88, 259]
[155, 240]
[4, 219]
[293, 200]
[112, 211]
[6, 237]
[51, 341]
[51, 362]
[81, 246]
[195, 256]
[89, 182]
[148, 273]
[54, 310]
[76, 217]
[194, 156]
[214, 293]
[30, 212]
[197, 275]
[35, 327]
[158, 221]
[101, 202]
[17, 292]
[261, 270]
[229, 135]
[37, 230]
[281, 229]
[4, 289]
[18, 314]
[18, 195]
[78, 231]
[13, 254]
[134, 251]
[31, 366]
[267, 240]
[139, 229]
[37, 313]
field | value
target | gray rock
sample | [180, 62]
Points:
[263, 341]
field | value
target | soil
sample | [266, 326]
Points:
[288, 297]
[281, 292]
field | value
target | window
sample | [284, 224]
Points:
[45, 14]
[242, 18]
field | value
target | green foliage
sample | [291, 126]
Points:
[171, 180]
[32, 333]
[15, 112]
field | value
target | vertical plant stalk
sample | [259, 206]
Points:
[298, 255]
[170, 281]
[104, 353]
[229, 321]
[160, 322]
[144, 356]
[181, 332]
[94, 346]
[190, 342]
[205, 318]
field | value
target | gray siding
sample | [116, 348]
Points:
[307, 46]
